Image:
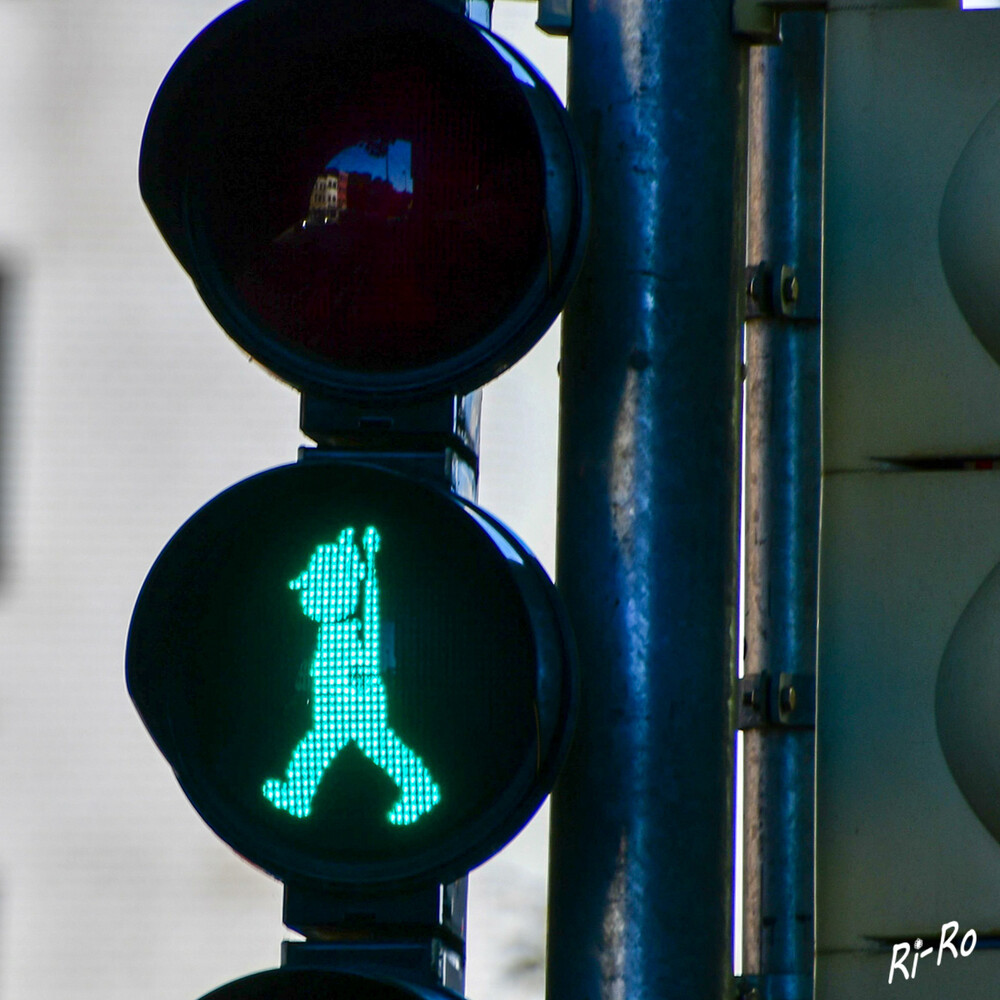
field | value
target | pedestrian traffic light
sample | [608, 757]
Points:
[907, 747]
[363, 682]
[376, 197]
[360, 680]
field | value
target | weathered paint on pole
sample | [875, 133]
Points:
[642, 851]
[782, 503]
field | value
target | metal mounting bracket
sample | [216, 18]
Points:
[417, 937]
[760, 20]
[772, 290]
[776, 291]
[775, 986]
[791, 702]
[555, 17]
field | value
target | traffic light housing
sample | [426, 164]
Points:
[377, 198]
[910, 527]
[363, 682]
[360, 680]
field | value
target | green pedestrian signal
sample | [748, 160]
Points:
[348, 696]
[359, 679]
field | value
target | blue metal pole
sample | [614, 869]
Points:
[642, 852]
[782, 507]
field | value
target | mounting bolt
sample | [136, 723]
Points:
[772, 290]
[790, 289]
[787, 699]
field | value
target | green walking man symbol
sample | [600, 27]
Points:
[348, 696]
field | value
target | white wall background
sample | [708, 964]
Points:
[123, 408]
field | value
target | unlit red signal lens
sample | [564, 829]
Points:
[403, 231]
[372, 199]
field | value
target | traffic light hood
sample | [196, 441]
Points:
[371, 198]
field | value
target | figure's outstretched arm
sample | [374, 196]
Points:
[370, 543]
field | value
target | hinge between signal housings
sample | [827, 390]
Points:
[787, 700]
[436, 439]
[417, 937]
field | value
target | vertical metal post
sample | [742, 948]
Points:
[641, 868]
[782, 507]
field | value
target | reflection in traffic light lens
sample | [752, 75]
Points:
[384, 206]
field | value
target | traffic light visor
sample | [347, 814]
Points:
[369, 197]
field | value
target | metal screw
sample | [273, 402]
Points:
[787, 696]
[790, 289]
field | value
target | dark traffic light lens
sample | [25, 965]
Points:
[371, 197]
[357, 679]
[396, 217]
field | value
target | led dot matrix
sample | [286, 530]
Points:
[348, 697]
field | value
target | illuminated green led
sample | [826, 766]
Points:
[348, 696]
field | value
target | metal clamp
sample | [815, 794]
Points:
[555, 17]
[791, 702]
[772, 290]
[760, 20]
[775, 986]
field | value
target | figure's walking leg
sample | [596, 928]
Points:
[419, 792]
[309, 762]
